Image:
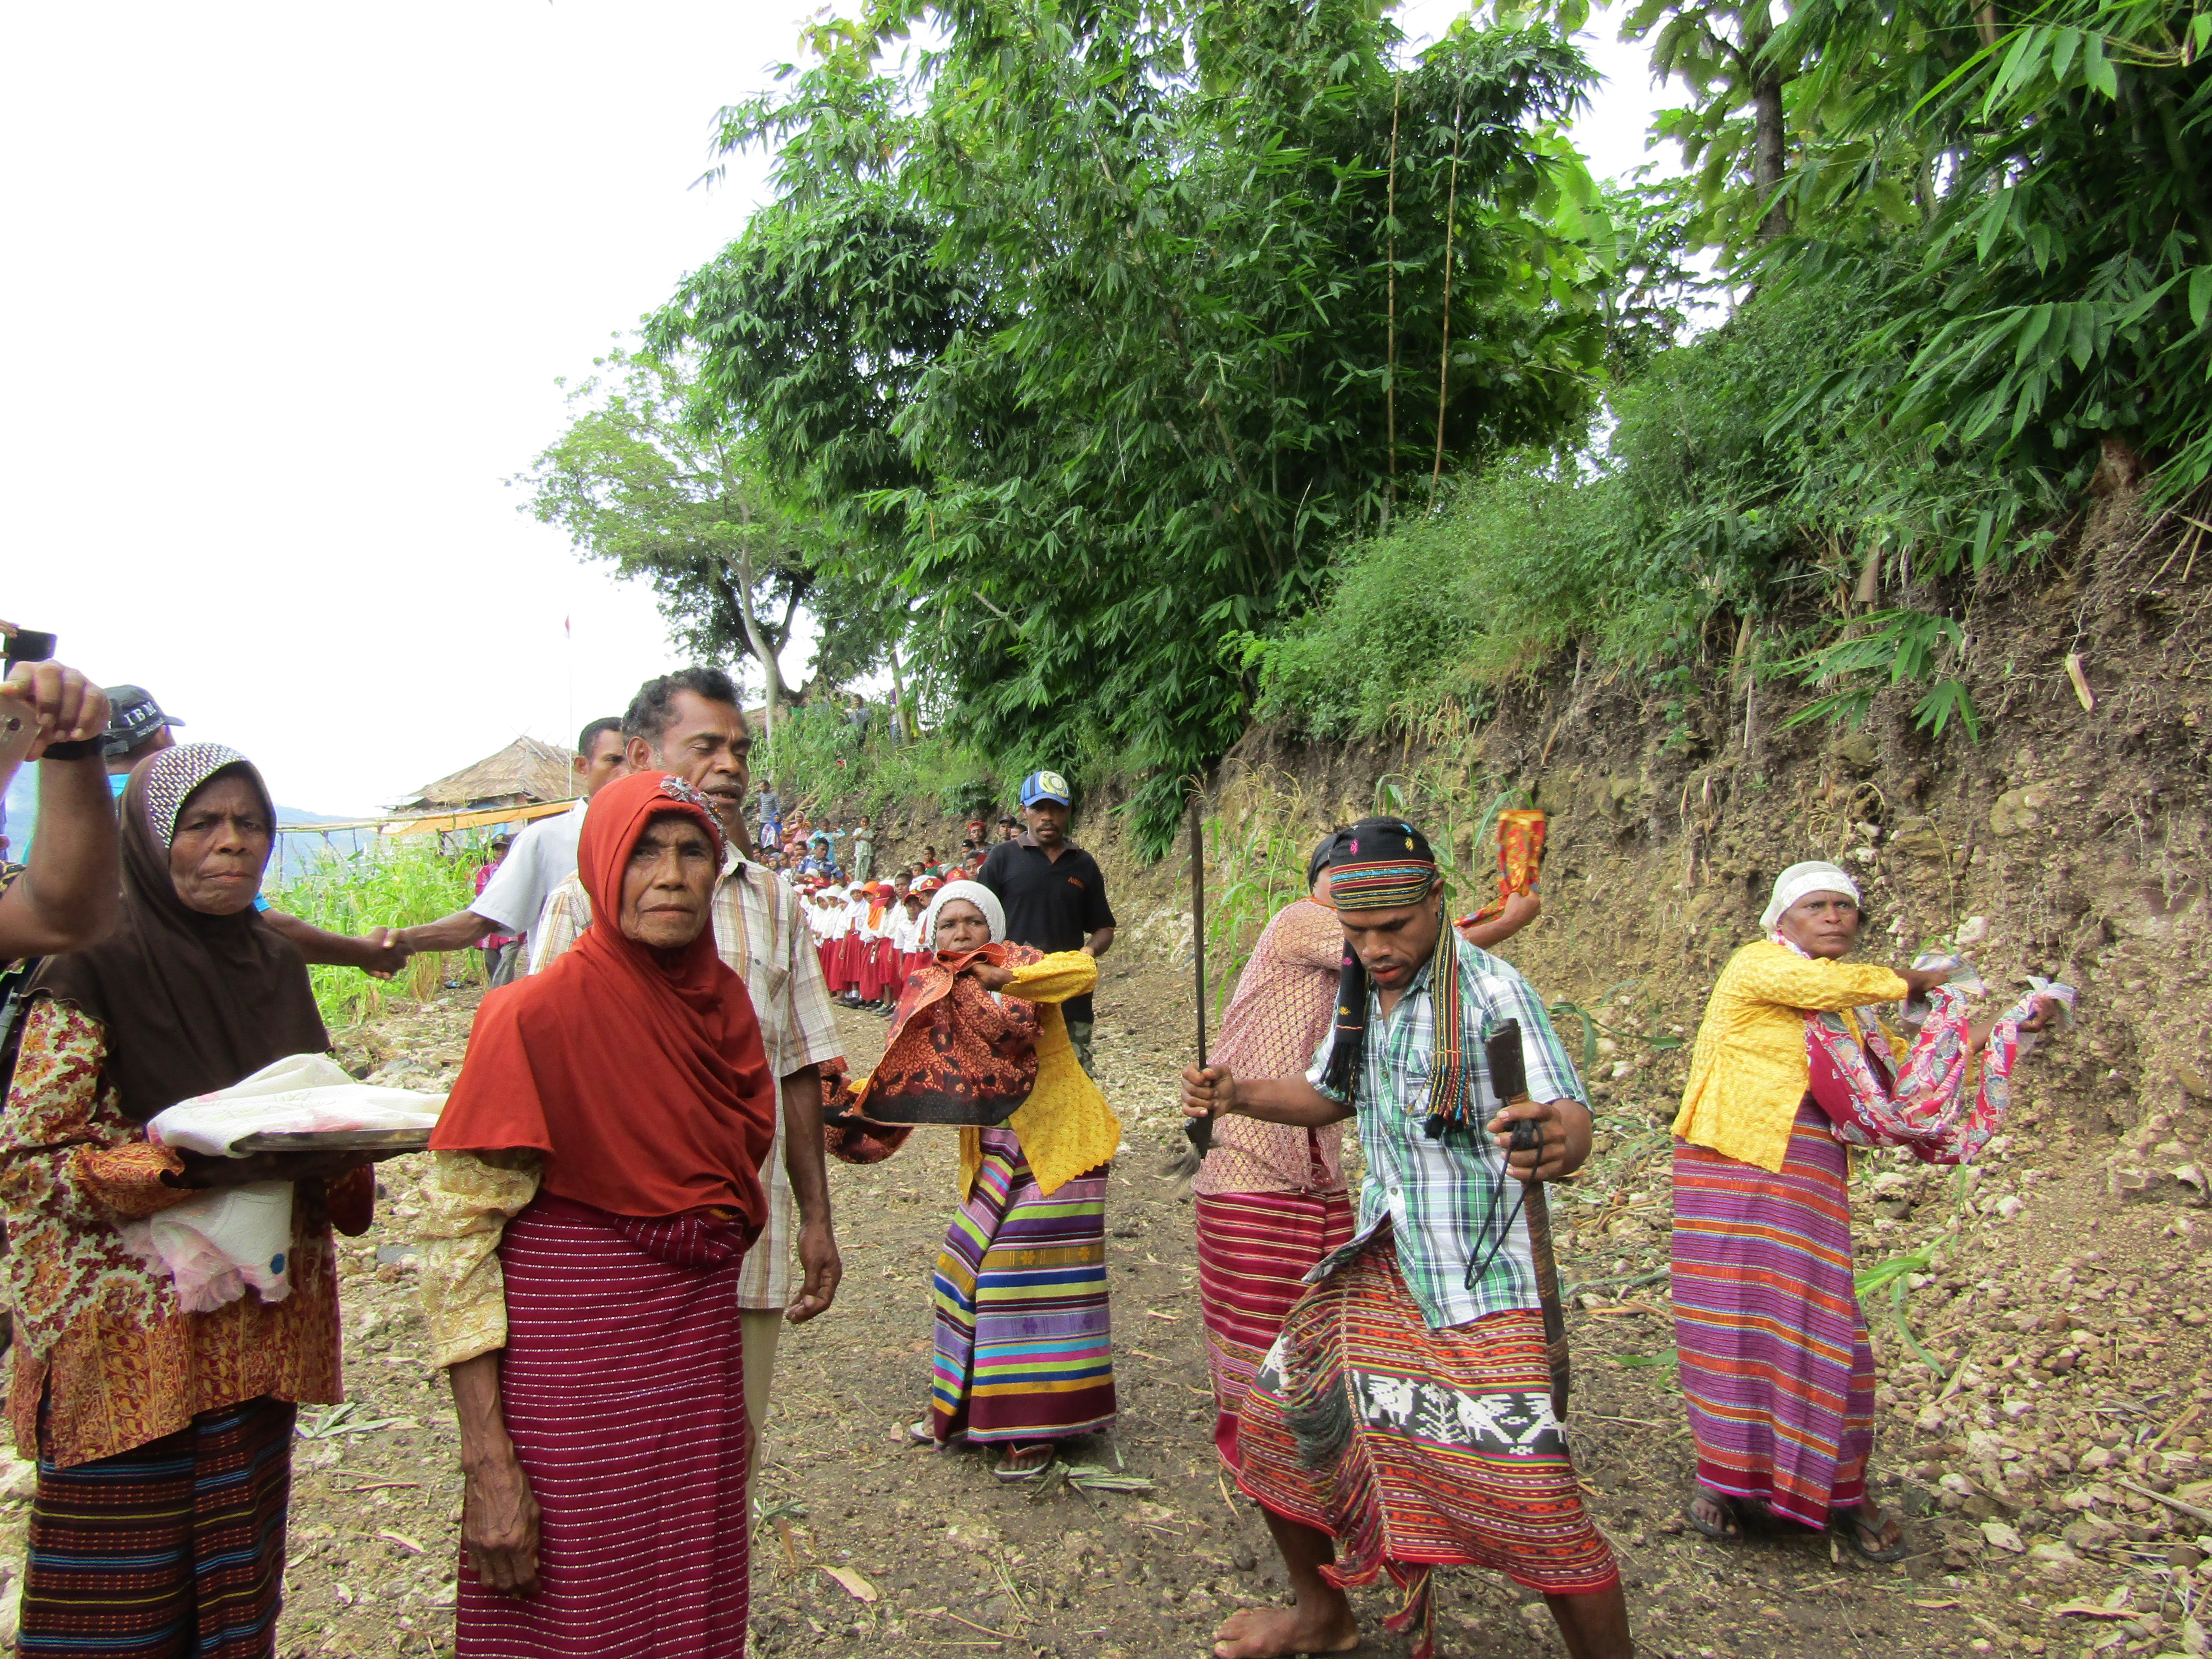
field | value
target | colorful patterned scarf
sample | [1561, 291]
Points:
[1873, 1097]
[1520, 859]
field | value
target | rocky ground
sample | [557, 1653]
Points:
[2044, 1411]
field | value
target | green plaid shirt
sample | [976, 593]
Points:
[1447, 1199]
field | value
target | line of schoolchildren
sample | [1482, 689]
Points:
[869, 935]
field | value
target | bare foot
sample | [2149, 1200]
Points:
[1272, 1633]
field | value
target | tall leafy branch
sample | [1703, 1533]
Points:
[1095, 332]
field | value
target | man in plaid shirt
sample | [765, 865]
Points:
[1403, 1419]
[690, 723]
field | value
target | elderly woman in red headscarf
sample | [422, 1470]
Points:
[596, 1188]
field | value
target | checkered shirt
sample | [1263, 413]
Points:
[1446, 1199]
[760, 930]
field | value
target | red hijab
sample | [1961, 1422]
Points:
[645, 1086]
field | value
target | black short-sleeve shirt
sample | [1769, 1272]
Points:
[1051, 904]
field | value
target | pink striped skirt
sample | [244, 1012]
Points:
[623, 1387]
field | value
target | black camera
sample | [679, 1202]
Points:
[27, 645]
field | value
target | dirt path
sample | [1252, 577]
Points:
[2071, 1336]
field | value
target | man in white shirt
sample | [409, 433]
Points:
[542, 857]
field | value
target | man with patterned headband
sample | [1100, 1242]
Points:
[1403, 1419]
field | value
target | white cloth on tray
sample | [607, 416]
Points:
[295, 1094]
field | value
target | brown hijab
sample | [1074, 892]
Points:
[191, 1002]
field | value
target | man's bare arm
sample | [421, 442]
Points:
[377, 951]
[67, 896]
[1100, 942]
[459, 932]
[805, 1162]
[1215, 1092]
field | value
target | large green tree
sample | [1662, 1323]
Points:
[654, 479]
[1096, 331]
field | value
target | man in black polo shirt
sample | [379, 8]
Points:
[1053, 891]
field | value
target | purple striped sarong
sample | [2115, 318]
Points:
[1024, 1349]
[1772, 1351]
[623, 1387]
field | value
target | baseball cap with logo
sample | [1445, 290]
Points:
[1045, 785]
[133, 716]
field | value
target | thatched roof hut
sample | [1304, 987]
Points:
[525, 772]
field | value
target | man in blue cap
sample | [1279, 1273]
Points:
[1053, 891]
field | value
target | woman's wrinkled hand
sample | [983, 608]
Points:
[989, 976]
[500, 1520]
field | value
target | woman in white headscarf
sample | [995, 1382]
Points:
[1023, 1350]
[1790, 1064]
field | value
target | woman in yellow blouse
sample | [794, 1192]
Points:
[1773, 1353]
[1023, 1345]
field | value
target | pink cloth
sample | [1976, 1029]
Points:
[1274, 1022]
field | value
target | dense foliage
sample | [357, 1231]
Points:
[1098, 337]
[1979, 262]
[1111, 363]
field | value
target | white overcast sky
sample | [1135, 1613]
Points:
[291, 285]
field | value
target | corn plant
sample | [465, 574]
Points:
[1252, 873]
[383, 885]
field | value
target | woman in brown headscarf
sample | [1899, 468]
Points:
[162, 1436]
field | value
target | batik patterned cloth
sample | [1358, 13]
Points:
[1874, 1097]
[175, 1547]
[1520, 858]
[623, 1385]
[1024, 1342]
[1255, 1251]
[1773, 1356]
[101, 1341]
[1416, 1448]
[956, 1052]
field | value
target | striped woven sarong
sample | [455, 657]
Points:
[175, 1547]
[1415, 1448]
[1255, 1251]
[623, 1387]
[1773, 1354]
[1024, 1347]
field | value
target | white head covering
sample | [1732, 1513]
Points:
[1817, 876]
[977, 895]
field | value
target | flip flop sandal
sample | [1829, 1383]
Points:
[1845, 1524]
[1006, 1471]
[1730, 1530]
[918, 1434]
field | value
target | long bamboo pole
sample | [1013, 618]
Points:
[1443, 358]
[1390, 350]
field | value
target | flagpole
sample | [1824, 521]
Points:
[569, 656]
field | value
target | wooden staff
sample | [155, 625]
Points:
[1508, 1076]
[1200, 1130]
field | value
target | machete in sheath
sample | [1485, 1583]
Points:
[1509, 1077]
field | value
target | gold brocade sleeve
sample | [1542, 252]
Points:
[1782, 977]
[469, 1198]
